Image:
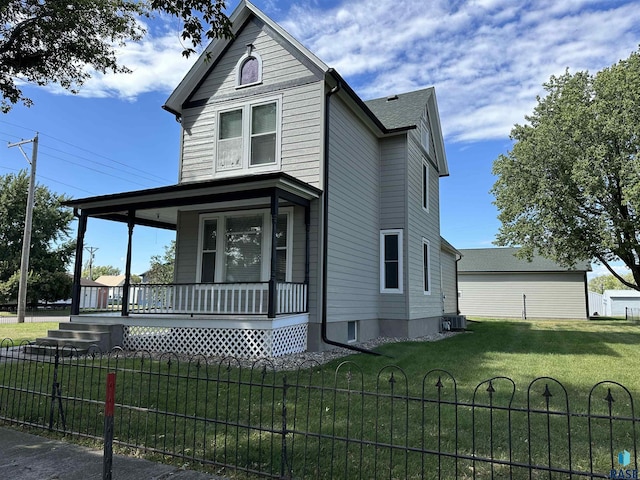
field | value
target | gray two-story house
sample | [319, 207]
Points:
[304, 216]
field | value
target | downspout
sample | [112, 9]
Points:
[459, 257]
[325, 232]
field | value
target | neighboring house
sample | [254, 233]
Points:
[115, 284]
[93, 295]
[493, 282]
[304, 216]
[616, 302]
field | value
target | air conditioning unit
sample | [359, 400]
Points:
[454, 322]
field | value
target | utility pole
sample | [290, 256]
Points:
[91, 251]
[26, 239]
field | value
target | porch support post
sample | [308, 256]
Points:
[307, 250]
[77, 271]
[127, 272]
[273, 292]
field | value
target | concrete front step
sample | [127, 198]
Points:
[87, 327]
[79, 336]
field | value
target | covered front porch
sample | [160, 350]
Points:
[242, 267]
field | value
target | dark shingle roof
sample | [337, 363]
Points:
[402, 110]
[504, 260]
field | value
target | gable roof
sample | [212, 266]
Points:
[621, 293]
[494, 260]
[405, 110]
[387, 119]
[87, 282]
[216, 48]
[111, 280]
[401, 110]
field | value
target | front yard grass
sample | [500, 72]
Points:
[578, 354]
[25, 332]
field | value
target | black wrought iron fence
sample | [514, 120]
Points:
[632, 314]
[316, 423]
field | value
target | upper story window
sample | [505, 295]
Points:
[249, 69]
[425, 184]
[425, 134]
[249, 137]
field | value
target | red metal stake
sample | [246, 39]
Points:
[109, 407]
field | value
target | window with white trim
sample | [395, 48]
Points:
[391, 261]
[425, 134]
[249, 69]
[231, 247]
[425, 184]
[352, 332]
[426, 266]
[248, 137]
[209, 250]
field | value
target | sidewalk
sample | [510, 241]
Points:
[30, 457]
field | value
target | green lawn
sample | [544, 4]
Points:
[576, 353]
[170, 400]
[19, 332]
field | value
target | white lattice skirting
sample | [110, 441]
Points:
[237, 342]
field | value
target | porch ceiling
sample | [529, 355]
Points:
[158, 207]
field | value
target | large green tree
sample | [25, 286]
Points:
[608, 282]
[570, 187]
[53, 41]
[51, 245]
[161, 269]
[99, 270]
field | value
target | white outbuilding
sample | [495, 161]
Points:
[616, 302]
[493, 282]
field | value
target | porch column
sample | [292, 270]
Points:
[127, 268]
[307, 251]
[77, 270]
[273, 289]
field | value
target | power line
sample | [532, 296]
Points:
[48, 155]
[156, 177]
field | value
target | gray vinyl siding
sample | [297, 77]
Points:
[285, 76]
[301, 132]
[187, 247]
[393, 207]
[299, 245]
[548, 295]
[449, 287]
[354, 226]
[279, 64]
[422, 224]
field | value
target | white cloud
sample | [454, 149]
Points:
[156, 64]
[487, 58]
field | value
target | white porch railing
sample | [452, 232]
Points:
[203, 299]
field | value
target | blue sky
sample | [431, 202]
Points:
[487, 60]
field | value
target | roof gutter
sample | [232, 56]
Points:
[325, 230]
[342, 85]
